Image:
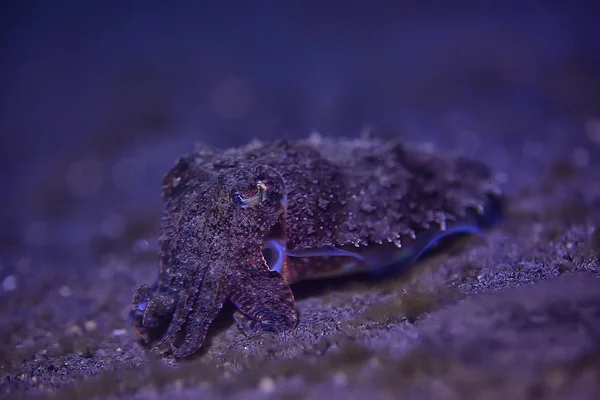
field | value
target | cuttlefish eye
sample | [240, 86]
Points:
[252, 197]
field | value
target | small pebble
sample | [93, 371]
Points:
[374, 363]
[340, 378]
[140, 246]
[74, 330]
[178, 384]
[64, 291]
[266, 385]
[90, 326]
[9, 283]
[119, 332]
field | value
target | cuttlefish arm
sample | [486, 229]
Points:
[264, 297]
[193, 309]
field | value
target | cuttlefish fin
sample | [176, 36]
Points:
[380, 259]
[376, 259]
[474, 225]
[433, 238]
[325, 251]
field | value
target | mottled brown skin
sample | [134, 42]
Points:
[311, 193]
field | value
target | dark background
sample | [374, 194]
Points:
[81, 79]
[97, 100]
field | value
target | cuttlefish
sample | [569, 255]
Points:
[241, 225]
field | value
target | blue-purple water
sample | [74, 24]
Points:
[97, 101]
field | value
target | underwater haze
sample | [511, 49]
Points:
[98, 100]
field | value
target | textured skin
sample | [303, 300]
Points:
[312, 193]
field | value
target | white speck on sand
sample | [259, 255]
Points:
[266, 384]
